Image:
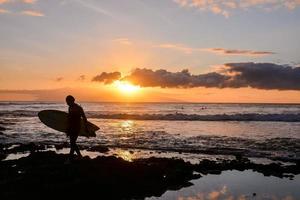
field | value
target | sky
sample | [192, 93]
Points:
[171, 50]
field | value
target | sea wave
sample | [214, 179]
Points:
[195, 117]
[174, 117]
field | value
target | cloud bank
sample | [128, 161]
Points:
[32, 13]
[221, 51]
[4, 11]
[16, 3]
[226, 7]
[239, 52]
[107, 78]
[59, 79]
[232, 75]
[81, 78]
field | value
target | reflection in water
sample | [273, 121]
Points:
[126, 125]
[16, 156]
[237, 185]
[125, 155]
[224, 194]
[213, 195]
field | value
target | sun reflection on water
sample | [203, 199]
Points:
[127, 124]
[125, 155]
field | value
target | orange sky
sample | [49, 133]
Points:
[47, 46]
[110, 94]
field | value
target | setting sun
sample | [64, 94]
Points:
[126, 87]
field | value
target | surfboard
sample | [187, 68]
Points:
[58, 120]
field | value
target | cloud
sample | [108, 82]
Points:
[81, 78]
[263, 76]
[4, 11]
[32, 13]
[107, 78]
[124, 41]
[225, 7]
[25, 12]
[165, 79]
[18, 1]
[4, 1]
[177, 47]
[216, 9]
[239, 52]
[232, 75]
[29, 1]
[95, 8]
[59, 79]
[222, 51]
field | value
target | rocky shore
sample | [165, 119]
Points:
[46, 173]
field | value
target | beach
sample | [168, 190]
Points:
[152, 100]
[204, 151]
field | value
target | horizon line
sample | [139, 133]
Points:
[150, 102]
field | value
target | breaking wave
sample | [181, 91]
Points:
[174, 117]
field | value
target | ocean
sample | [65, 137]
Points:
[262, 131]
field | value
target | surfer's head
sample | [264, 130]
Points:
[70, 100]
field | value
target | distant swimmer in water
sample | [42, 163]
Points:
[74, 117]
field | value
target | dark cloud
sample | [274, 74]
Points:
[107, 78]
[183, 79]
[81, 78]
[232, 75]
[264, 76]
[59, 79]
[240, 52]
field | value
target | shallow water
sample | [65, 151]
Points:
[237, 185]
[264, 139]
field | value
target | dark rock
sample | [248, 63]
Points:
[2, 128]
[2, 156]
[61, 146]
[46, 174]
[31, 147]
[99, 148]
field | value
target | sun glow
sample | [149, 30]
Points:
[126, 87]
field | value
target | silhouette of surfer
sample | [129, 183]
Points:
[74, 117]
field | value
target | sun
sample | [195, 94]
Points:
[126, 87]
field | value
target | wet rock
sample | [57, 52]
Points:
[2, 128]
[99, 148]
[273, 169]
[31, 147]
[2, 156]
[61, 146]
[46, 174]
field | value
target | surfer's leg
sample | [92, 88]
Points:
[76, 148]
[72, 144]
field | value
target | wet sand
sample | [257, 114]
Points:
[42, 172]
